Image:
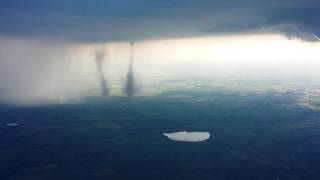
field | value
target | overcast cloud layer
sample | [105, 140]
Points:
[125, 20]
[48, 47]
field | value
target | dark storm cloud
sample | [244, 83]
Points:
[125, 20]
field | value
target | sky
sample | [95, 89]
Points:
[126, 20]
[48, 48]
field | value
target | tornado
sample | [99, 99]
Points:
[130, 88]
[100, 57]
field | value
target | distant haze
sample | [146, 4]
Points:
[35, 71]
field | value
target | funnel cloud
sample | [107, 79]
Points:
[100, 57]
[130, 87]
